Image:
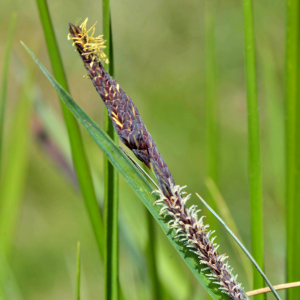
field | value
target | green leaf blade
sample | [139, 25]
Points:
[78, 153]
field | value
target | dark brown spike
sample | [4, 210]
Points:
[123, 113]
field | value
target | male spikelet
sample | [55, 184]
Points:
[133, 133]
[122, 111]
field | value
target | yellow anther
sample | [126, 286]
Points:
[91, 45]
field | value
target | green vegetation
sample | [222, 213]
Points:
[254, 160]
[225, 124]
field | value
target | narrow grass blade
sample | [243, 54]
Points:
[226, 215]
[292, 94]
[135, 179]
[211, 127]
[14, 172]
[243, 248]
[254, 164]
[111, 182]
[78, 273]
[3, 95]
[77, 148]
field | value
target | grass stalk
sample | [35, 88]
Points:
[211, 107]
[254, 163]
[77, 148]
[211, 94]
[292, 145]
[111, 263]
[5, 69]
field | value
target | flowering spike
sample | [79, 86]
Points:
[122, 111]
[133, 133]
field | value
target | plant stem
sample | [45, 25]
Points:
[211, 123]
[255, 178]
[111, 273]
[211, 94]
[3, 94]
[292, 145]
[77, 148]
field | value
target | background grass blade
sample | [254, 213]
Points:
[14, 173]
[3, 95]
[243, 248]
[211, 127]
[292, 146]
[111, 182]
[255, 178]
[78, 273]
[136, 180]
[78, 152]
[12, 186]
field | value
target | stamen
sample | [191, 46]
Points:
[92, 46]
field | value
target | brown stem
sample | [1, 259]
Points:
[276, 287]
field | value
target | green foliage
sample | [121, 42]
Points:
[254, 165]
[292, 127]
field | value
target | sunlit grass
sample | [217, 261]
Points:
[254, 164]
[292, 146]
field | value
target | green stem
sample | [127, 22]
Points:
[78, 152]
[3, 94]
[211, 110]
[292, 145]
[111, 262]
[255, 178]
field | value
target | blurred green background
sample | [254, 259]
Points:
[159, 49]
